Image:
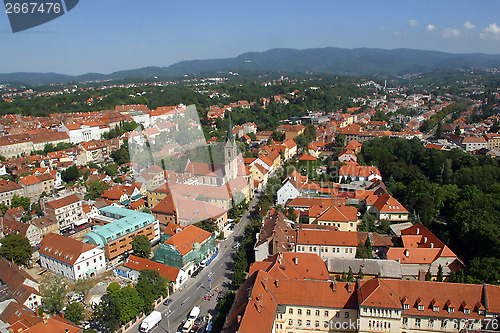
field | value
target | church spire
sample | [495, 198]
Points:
[230, 136]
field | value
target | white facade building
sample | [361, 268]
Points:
[82, 133]
[71, 258]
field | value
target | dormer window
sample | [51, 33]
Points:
[451, 310]
[406, 306]
[467, 311]
[435, 308]
[420, 308]
[481, 312]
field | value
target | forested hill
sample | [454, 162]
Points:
[361, 61]
[454, 193]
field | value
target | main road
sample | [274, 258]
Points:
[210, 279]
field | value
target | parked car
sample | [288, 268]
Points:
[167, 301]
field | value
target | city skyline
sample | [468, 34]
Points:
[113, 35]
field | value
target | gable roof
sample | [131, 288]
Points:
[62, 248]
[184, 240]
[138, 264]
[62, 202]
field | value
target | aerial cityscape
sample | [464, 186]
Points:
[278, 167]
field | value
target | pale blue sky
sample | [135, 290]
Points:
[109, 35]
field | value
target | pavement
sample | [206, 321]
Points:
[211, 279]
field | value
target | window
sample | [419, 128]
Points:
[299, 322]
[87, 263]
[326, 313]
[407, 306]
[451, 310]
[299, 311]
[405, 321]
[308, 312]
[337, 314]
[455, 324]
[290, 311]
[316, 324]
[435, 308]
[418, 321]
[317, 312]
[444, 323]
[347, 314]
[420, 308]
[431, 323]
[290, 322]
[466, 311]
[308, 323]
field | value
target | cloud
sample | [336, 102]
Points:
[431, 27]
[451, 33]
[413, 23]
[469, 25]
[492, 31]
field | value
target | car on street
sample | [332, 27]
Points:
[196, 272]
[167, 301]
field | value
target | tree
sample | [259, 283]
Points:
[369, 250]
[141, 246]
[440, 273]
[83, 286]
[130, 301]
[74, 312]
[3, 207]
[361, 275]
[439, 130]
[207, 225]
[70, 174]
[108, 312]
[95, 189]
[428, 276]
[457, 130]
[151, 286]
[20, 201]
[113, 288]
[16, 248]
[350, 275]
[53, 296]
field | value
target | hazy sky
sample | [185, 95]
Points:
[109, 35]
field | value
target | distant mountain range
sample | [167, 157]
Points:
[362, 61]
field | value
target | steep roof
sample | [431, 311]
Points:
[340, 213]
[183, 241]
[291, 265]
[327, 237]
[62, 202]
[63, 248]
[138, 264]
[387, 204]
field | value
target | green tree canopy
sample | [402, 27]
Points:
[16, 248]
[53, 296]
[151, 286]
[141, 246]
[20, 201]
[74, 312]
[70, 174]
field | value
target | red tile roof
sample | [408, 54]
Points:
[138, 264]
[185, 239]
